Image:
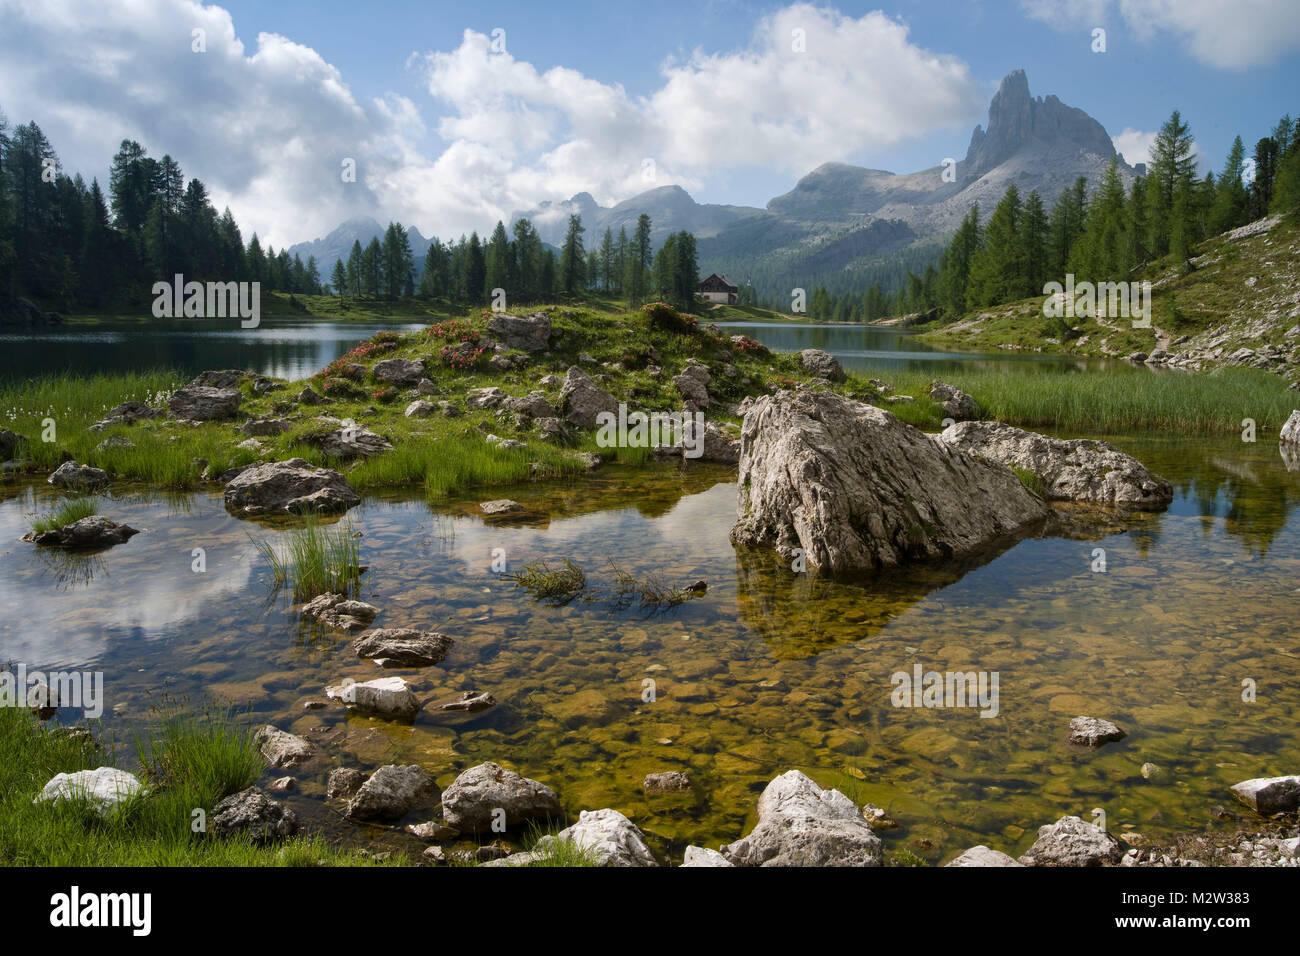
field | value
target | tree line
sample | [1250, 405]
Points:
[1105, 235]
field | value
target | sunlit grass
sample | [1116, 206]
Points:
[67, 512]
[315, 560]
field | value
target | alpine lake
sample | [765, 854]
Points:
[769, 670]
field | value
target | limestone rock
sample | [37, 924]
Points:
[1071, 470]
[1093, 732]
[384, 696]
[667, 781]
[344, 782]
[859, 490]
[338, 611]
[581, 399]
[202, 403]
[983, 856]
[822, 365]
[77, 477]
[403, 647]
[283, 749]
[254, 814]
[500, 506]
[1268, 795]
[104, 788]
[399, 371]
[956, 404]
[702, 856]
[471, 801]
[800, 824]
[85, 534]
[1072, 842]
[393, 791]
[529, 333]
[1291, 430]
[291, 486]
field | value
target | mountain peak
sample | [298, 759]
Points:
[1017, 120]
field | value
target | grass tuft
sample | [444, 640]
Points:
[316, 560]
[68, 512]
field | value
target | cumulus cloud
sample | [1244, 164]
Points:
[267, 126]
[1134, 144]
[1229, 36]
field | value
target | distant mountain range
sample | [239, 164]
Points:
[841, 226]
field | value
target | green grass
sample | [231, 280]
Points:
[191, 763]
[316, 560]
[557, 585]
[68, 511]
[1113, 402]
[1031, 480]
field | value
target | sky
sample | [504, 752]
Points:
[456, 114]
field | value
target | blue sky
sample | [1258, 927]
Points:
[449, 136]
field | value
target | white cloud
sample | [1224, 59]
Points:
[1134, 144]
[267, 128]
[1230, 36]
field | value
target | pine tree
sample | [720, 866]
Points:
[1033, 235]
[1231, 197]
[1173, 165]
[354, 268]
[954, 270]
[636, 282]
[1065, 226]
[497, 259]
[997, 271]
[339, 280]
[398, 262]
[573, 259]
[528, 255]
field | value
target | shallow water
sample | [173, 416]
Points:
[768, 671]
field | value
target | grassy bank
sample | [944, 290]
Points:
[190, 762]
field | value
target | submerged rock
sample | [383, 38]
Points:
[285, 487]
[858, 490]
[666, 781]
[104, 788]
[1071, 470]
[800, 824]
[468, 702]
[1269, 795]
[344, 782]
[77, 477]
[393, 791]
[254, 814]
[1093, 732]
[1072, 842]
[500, 506]
[94, 531]
[338, 611]
[474, 799]
[403, 647]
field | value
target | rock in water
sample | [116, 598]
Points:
[472, 800]
[1093, 732]
[393, 791]
[858, 490]
[85, 534]
[385, 696]
[1071, 470]
[1268, 795]
[1072, 842]
[403, 646]
[289, 487]
[77, 477]
[800, 824]
[203, 403]
[282, 749]
[702, 856]
[1291, 430]
[104, 788]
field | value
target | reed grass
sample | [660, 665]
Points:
[315, 560]
[67, 512]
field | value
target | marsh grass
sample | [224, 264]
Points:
[652, 591]
[67, 512]
[556, 585]
[1121, 400]
[200, 759]
[316, 560]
